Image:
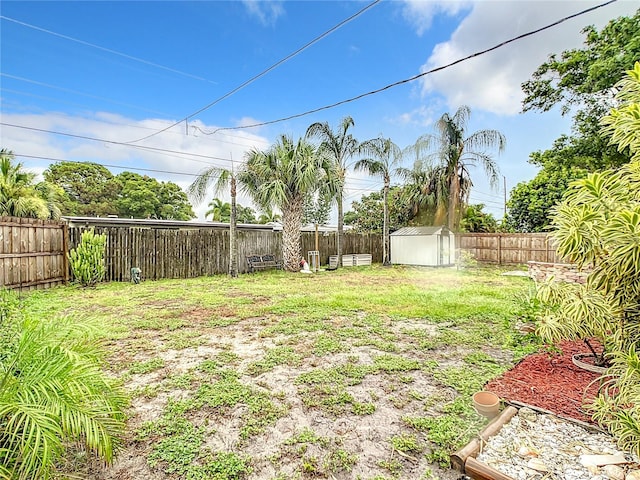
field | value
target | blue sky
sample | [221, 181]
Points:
[120, 71]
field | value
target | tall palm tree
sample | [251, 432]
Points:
[221, 179]
[339, 146]
[281, 177]
[18, 194]
[457, 153]
[383, 161]
[220, 211]
[426, 191]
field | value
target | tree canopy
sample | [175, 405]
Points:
[92, 190]
[582, 80]
[585, 75]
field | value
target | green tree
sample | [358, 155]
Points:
[383, 161]
[367, 214]
[141, 196]
[475, 220]
[221, 179]
[426, 190]
[339, 146]
[218, 210]
[316, 210]
[245, 214]
[587, 75]
[281, 177]
[456, 153]
[269, 216]
[530, 204]
[90, 189]
[53, 394]
[19, 196]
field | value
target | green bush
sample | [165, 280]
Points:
[598, 225]
[87, 260]
[53, 394]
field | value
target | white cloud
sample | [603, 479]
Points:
[266, 11]
[492, 81]
[420, 13]
[199, 150]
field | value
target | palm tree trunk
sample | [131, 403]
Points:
[385, 225]
[340, 228]
[233, 248]
[453, 201]
[292, 224]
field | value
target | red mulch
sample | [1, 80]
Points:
[550, 381]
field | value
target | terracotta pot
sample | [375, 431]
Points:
[486, 404]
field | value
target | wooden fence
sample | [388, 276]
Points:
[185, 253]
[508, 248]
[32, 253]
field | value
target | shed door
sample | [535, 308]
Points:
[443, 249]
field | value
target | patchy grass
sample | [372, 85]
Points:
[359, 373]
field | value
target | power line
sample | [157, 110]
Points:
[76, 92]
[267, 70]
[420, 75]
[108, 50]
[106, 165]
[113, 142]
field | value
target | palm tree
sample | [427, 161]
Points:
[383, 161]
[457, 153]
[281, 177]
[221, 179]
[426, 191]
[220, 211]
[339, 147]
[269, 216]
[19, 196]
[53, 394]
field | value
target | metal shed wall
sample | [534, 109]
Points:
[425, 250]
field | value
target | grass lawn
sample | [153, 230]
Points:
[361, 373]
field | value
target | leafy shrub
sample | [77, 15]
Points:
[87, 260]
[598, 224]
[53, 394]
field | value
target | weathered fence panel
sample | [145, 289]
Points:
[351, 243]
[32, 253]
[508, 248]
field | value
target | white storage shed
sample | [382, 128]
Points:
[428, 246]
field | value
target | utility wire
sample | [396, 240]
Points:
[420, 75]
[108, 50]
[76, 92]
[264, 72]
[113, 142]
[105, 165]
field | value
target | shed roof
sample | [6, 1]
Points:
[418, 231]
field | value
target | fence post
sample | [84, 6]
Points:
[65, 253]
[499, 249]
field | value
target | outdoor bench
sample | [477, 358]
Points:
[261, 262]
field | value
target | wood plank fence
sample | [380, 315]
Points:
[508, 248]
[186, 253]
[32, 253]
